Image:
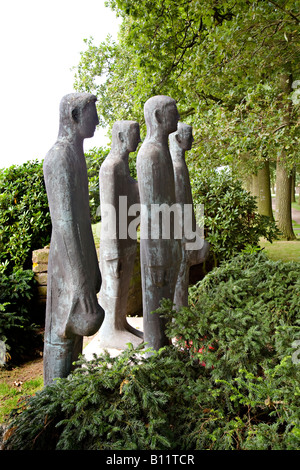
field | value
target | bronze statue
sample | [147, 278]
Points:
[118, 195]
[160, 255]
[194, 251]
[74, 279]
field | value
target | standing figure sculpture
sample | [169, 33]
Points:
[118, 248]
[160, 256]
[72, 309]
[193, 251]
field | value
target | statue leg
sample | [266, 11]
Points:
[115, 331]
[59, 352]
[157, 283]
[59, 355]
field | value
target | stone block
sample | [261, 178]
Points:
[40, 256]
[39, 268]
[41, 278]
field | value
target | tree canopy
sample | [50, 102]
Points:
[232, 66]
[221, 60]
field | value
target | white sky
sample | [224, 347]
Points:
[40, 42]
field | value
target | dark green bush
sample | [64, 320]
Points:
[243, 394]
[109, 404]
[25, 223]
[17, 331]
[239, 309]
[231, 221]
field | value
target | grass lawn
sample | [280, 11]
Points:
[11, 394]
[282, 250]
[16, 383]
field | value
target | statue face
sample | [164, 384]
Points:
[88, 120]
[171, 117]
[133, 138]
[185, 138]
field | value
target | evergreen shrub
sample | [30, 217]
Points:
[240, 314]
[230, 380]
[17, 330]
[25, 225]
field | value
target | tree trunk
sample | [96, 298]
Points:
[243, 173]
[262, 190]
[283, 212]
[293, 185]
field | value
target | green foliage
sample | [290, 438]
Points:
[17, 330]
[243, 394]
[25, 223]
[223, 63]
[109, 404]
[232, 67]
[243, 310]
[231, 221]
[109, 60]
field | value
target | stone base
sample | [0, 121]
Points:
[95, 346]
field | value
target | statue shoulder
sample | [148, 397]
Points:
[58, 161]
[149, 151]
[111, 167]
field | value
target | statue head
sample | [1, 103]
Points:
[78, 115]
[125, 136]
[161, 113]
[183, 137]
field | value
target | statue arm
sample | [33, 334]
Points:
[151, 188]
[59, 181]
[109, 182]
[83, 316]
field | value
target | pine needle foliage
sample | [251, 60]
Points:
[106, 404]
[240, 314]
[230, 381]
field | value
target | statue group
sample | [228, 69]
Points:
[75, 277]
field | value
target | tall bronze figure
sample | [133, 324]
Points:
[194, 251]
[74, 279]
[119, 195]
[160, 255]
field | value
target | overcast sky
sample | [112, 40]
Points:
[40, 43]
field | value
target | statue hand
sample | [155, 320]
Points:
[86, 315]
